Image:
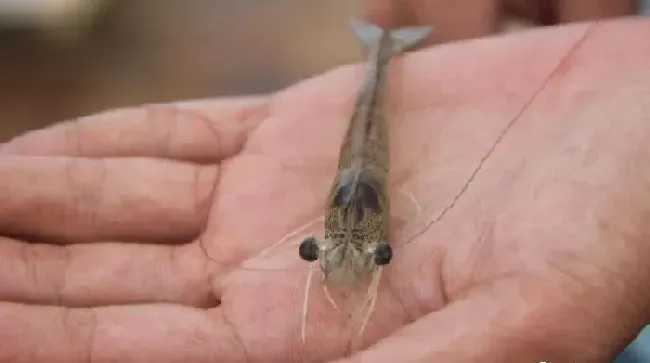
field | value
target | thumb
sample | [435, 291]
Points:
[487, 327]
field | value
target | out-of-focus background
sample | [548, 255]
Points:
[66, 58]
[61, 59]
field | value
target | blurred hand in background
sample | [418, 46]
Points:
[463, 19]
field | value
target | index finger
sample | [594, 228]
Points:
[201, 131]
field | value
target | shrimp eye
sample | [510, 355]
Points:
[308, 249]
[383, 254]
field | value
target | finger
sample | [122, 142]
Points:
[584, 10]
[103, 274]
[83, 200]
[145, 333]
[451, 20]
[203, 131]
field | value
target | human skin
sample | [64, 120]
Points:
[464, 19]
[543, 257]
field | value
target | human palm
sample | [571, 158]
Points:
[164, 213]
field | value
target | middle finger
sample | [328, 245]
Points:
[104, 274]
[80, 200]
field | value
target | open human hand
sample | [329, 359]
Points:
[106, 220]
